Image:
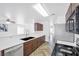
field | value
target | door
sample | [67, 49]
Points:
[14, 51]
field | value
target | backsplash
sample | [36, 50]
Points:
[62, 35]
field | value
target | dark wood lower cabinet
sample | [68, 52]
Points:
[35, 46]
[28, 48]
[2, 53]
[42, 39]
[32, 45]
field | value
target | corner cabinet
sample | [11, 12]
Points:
[32, 45]
[71, 9]
[38, 27]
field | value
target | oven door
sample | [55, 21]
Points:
[14, 51]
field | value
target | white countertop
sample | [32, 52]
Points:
[66, 43]
[8, 42]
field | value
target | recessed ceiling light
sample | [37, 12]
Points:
[40, 9]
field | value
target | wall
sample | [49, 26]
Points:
[52, 42]
[62, 35]
[60, 32]
[60, 20]
[12, 29]
[21, 13]
[29, 28]
[46, 30]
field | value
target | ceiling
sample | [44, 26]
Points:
[58, 9]
[26, 12]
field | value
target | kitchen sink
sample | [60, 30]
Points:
[27, 38]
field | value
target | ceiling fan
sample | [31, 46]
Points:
[10, 21]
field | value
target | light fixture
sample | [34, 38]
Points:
[40, 9]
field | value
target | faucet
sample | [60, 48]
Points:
[27, 33]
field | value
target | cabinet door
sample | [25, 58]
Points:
[28, 48]
[38, 27]
[38, 42]
[35, 46]
[71, 9]
[43, 39]
[69, 12]
[2, 53]
[74, 5]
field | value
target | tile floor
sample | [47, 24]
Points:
[43, 50]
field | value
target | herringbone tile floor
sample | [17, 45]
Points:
[43, 50]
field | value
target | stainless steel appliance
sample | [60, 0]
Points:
[14, 51]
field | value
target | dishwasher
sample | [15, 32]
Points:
[14, 51]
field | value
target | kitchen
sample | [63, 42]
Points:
[25, 27]
[20, 27]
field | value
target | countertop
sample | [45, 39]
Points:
[10, 41]
[66, 43]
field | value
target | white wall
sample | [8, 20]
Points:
[62, 35]
[52, 20]
[29, 28]
[46, 30]
[12, 29]
[21, 13]
[60, 20]
[60, 30]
